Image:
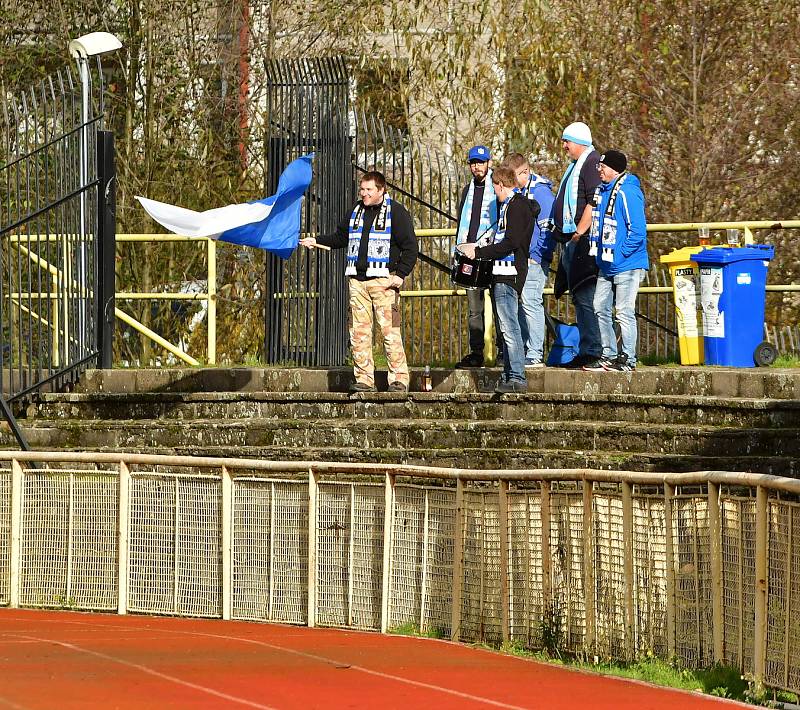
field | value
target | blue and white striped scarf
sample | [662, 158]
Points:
[504, 266]
[608, 239]
[570, 184]
[488, 211]
[380, 237]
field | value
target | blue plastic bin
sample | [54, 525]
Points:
[733, 285]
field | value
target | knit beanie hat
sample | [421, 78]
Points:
[614, 160]
[577, 132]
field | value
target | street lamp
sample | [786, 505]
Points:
[81, 49]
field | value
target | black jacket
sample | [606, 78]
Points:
[403, 248]
[582, 272]
[583, 269]
[520, 219]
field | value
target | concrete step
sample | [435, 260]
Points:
[533, 406]
[367, 434]
[773, 383]
[461, 457]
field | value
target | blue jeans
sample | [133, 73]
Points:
[620, 292]
[507, 302]
[531, 310]
[585, 315]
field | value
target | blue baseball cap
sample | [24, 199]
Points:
[480, 153]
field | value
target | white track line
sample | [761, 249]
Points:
[362, 669]
[151, 671]
[322, 659]
[6, 703]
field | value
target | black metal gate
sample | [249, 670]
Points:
[306, 307]
[56, 236]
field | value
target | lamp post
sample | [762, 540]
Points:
[81, 49]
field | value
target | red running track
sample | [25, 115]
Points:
[74, 660]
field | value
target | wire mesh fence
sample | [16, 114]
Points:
[697, 567]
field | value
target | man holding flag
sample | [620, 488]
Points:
[381, 252]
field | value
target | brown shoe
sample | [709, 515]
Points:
[398, 387]
[362, 387]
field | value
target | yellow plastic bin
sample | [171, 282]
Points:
[688, 311]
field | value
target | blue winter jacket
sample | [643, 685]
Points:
[630, 250]
[542, 244]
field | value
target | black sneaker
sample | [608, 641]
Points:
[362, 387]
[398, 387]
[511, 386]
[579, 361]
[471, 360]
[601, 364]
[620, 364]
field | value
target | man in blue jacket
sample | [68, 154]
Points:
[618, 240]
[531, 311]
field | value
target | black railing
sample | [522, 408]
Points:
[53, 218]
[307, 111]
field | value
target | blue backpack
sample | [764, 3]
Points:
[566, 341]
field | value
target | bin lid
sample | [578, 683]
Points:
[729, 255]
[682, 255]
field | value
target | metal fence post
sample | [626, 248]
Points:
[588, 566]
[123, 540]
[16, 533]
[547, 561]
[669, 549]
[211, 303]
[715, 533]
[760, 627]
[503, 521]
[106, 248]
[458, 562]
[627, 538]
[227, 543]
[388, 528]
[312, 548]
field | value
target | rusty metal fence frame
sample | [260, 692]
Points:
[698, 567]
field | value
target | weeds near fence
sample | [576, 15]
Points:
[409, 628]
[718, 680]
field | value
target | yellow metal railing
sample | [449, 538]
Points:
[210, 296]
[23, 244]
[747, 231]
[748, 228]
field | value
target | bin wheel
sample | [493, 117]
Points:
[765, 354]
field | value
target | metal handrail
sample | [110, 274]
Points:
[210, 296]
[686, 478]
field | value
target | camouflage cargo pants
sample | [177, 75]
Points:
[366, 297]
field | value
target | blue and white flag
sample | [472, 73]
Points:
[272, 223]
